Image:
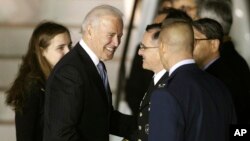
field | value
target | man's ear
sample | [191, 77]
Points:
[90, 31]
[163, 47]
[215, 45]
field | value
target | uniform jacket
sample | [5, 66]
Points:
[193, 106]
[144, 110]
[137, 83]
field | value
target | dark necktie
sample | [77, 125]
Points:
[103, 74]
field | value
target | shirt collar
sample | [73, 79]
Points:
[210, 63]
[158, 76]
[181, 63]
[92, 55]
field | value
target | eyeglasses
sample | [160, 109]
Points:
[143, 47]
[201, 39]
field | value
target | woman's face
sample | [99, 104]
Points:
[59, 46]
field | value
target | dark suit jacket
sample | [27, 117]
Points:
[193, 106]
[76, 104]
[236, 62]
[240, 68]
[29, 122]
[239, 92]
[144, 110]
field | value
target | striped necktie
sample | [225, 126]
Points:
[104, 76]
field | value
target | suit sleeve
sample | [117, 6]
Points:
[165, 119]
[63, 105]
[122, 125]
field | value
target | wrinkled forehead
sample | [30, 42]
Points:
[111, 25]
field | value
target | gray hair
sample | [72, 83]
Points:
[94, 16]
[220, 11]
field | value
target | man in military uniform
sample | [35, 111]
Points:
[193, 105]
[149, 51]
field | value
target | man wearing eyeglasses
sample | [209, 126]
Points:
[149, 51]
[222, 12]
[139, 79]
[208, 35]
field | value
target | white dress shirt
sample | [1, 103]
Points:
[181, 63]
[92, 55]
[158, 76]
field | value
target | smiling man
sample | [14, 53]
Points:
[149, 51]
[78, 104]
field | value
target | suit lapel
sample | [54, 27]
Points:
[91, 70]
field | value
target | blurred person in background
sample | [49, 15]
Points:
[48, 44]
[189, 6]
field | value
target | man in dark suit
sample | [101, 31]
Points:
[78, 104]
[221, 11]
[209, 35]
[191, 105]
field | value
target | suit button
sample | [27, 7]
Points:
[139, 127]
[149, 109]
[140, 114]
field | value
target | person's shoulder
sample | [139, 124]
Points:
[69, 60]
[163, 97]
[34, 93]
[34, 85]
[160, 91]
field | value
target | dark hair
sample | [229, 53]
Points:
[153, 26]
[34, 67]
[220, 11]
[155, 36]
[171, 13]
[210, 28]
[176, 14]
